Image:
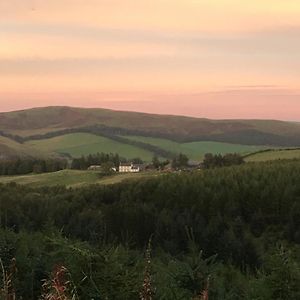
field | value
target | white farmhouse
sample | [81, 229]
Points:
[128, 168]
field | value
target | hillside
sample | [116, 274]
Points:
[275, 154]
[9, 148]
[185, 129]
[75, 131]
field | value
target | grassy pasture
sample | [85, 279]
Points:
[70, 178]
[274, 155]
[196, 150]
[77, 144]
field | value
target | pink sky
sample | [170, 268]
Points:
[206, 58]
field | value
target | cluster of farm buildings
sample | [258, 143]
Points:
[123, 168]
[130, 167]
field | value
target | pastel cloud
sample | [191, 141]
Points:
[209, 15]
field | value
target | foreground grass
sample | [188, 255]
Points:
[71, 178]
[274, 155]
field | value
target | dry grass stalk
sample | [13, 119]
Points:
[59, 287]
[147, 292]
[7, 291]
[205, 293]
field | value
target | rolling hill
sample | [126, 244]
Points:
[52, 119]
[77, 131]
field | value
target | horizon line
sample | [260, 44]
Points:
[143, 112]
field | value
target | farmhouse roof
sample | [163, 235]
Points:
[125, 164]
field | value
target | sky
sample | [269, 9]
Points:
[206, 58]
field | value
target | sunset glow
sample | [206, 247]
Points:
[205, 58]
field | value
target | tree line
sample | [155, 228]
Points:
[20, 166]
[83, 162]
[101, 159]
[218, 160]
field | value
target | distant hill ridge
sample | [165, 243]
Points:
[53, 121]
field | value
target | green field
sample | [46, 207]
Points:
[77, 144]
[70, 178]
[196, 150]
[274, 155]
